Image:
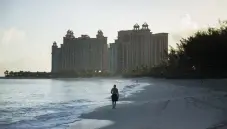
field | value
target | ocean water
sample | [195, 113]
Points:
[55, 103]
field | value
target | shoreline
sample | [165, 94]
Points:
[59, 77]
[143, 110]
[122, 76]
[56, 77]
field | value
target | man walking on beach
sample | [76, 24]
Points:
[115, 95]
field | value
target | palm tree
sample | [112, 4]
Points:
[11, 73]
[6, 73]
[21, 73]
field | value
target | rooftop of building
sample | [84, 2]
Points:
[136, 28]
[70, 35]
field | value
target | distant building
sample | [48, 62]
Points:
[56, 60]
[79, 54]
[160, 48]
[112, 57]
[139, 47]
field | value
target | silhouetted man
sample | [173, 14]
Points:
[114, 96]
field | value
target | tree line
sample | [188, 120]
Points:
[61, 74]
[14, 74]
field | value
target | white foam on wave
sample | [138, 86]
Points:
[60, 102]
[133, 88]
[90, 124]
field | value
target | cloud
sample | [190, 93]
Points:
[20, 51]
[187, 26]
[11, 48]
[187, 23]
[12, 43]
[24, 64]
[12, 35]
[182, 34]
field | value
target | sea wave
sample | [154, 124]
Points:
[58, 115]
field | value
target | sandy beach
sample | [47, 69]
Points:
[182, 107]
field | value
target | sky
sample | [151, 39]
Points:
[29, 27]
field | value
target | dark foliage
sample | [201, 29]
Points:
[26, 74]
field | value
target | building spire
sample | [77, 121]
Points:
[136, 27]
[145, 26]
[55, 44]
[99, 34]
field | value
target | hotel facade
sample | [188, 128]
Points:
[140, 47]
[80, 54]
